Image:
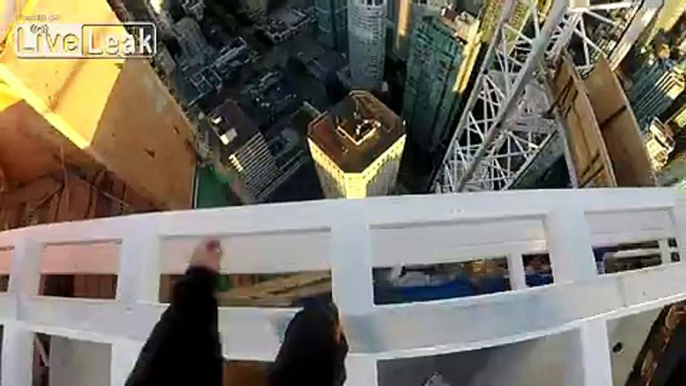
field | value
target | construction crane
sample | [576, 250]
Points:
[509, 129]
[513, 129]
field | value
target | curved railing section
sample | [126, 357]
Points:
[350, 238]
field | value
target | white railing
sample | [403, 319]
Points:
[349, 238]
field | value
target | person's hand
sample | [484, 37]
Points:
[207, 254]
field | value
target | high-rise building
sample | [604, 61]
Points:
[444, 50]
[674, 172]
[392, 13]
[611, 38]
[254, 9]
[195, 8]
[659, 143]
[666, 18]
[405, 16]
[163, 60]
[249, 165]
[655, 86]
[678, 34]
[493, 10]
[367, 42]
[679, 118]
[195, 48]
[159, 12]
[332, 20]
[356, 147]
[491, 15]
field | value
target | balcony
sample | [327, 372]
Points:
[349, 238]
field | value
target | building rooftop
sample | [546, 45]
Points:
[233, 127]
[268, 98]
[192, 40]
[319, 61]
[356, 131]
[195, 83]
[233, 54]
[286, 22]
[466, 26]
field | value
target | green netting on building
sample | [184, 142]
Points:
[212, 191]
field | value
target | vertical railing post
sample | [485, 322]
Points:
[595, 354]
[515, 267]
[678, 217]
[139, 266]
[665, 253]
[138, 281]
[361, 370]
[572, 259]
[352, 286]
[569, 245]
[17, 342]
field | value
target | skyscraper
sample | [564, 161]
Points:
[444, 49]
[159, 11]
[674, 172]
[392, 13]
[666, 18]
[194, 46]
[679, 118]
[195, 8]
[254, 9]
[243, 150]
[367, 38]
[493, 9]
[491, 15]
[357, 147]
[655, 86]
[406, 16]
[659, 143]
[332, 21]
[610, 39]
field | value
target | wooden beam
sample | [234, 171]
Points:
[32, 193]
[630, 161]
[278, 292]
[589, 154]
[30, 148]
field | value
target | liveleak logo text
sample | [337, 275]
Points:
[77, 40]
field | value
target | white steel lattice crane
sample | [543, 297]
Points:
[508, 128]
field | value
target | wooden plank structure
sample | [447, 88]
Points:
[586, 143]
[606, 147]
[282, 291]
[630, 161]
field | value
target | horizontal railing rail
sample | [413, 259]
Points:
[350, 238]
